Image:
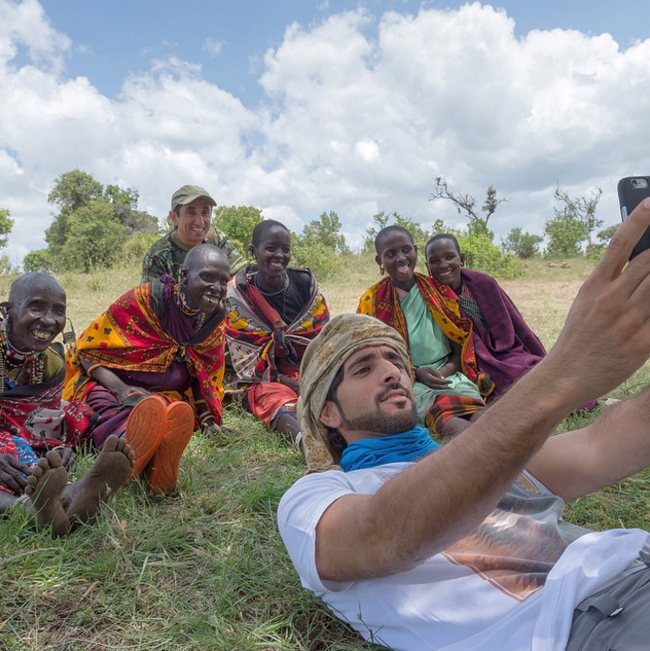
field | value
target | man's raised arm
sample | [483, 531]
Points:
[443, 497]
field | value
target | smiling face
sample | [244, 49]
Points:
[374, 397]
[444, 263]
[36, 314]
[204, 278]
[273, 254]
[192, 221]
[397, 254]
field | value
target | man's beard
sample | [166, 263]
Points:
[378, 423]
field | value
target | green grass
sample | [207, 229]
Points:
[200, 570]
[205, 569]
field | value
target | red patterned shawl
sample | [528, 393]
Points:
[257, 336]
[144, 331]
[36, 412]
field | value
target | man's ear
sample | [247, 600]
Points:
[173, 217]
[330, 415]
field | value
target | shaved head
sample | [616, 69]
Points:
[35, 312]
[261, 229]
[203, 253]
[24, 286]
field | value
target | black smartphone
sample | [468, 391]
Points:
[632, 190]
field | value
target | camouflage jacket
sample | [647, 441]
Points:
[167, 255]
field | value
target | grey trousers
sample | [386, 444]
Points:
[616, 618]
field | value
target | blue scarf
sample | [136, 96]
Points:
[407, 446]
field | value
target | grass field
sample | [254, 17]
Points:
[205, 569]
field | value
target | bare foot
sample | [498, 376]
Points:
[109, 472]
[45, 488]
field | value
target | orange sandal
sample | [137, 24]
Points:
[145, 430]
[162, 471]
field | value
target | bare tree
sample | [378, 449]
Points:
[465, 203]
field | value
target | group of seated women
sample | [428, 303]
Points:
[148, 372]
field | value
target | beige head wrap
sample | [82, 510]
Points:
[340, 338]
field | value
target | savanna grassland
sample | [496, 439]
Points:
[204, 569]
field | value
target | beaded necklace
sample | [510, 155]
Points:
[185, 309]
[12, 361]
[282, 291]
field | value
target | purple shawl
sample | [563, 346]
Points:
[505, 346]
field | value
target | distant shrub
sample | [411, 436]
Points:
[39, 260]
[522, 244]
[136, 247]
[481, 254]
[315, 255]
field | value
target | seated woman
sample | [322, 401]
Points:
[448, 387]
[34, 421]
[155, 360]
[275, 312]
[505, 346]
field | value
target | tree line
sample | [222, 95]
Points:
[97, 226]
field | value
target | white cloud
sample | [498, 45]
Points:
[360, 115]
[25, 25]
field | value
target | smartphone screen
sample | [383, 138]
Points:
[632, 190]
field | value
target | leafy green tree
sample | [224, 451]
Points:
[483, 255]
[381, 220]
[38, 260]
[439, 226]
[595, 251]
[566, 236]
[605, 235]
[465, 203]
[327, 231]
[71, 191]
[522, 244]
[238, 222]
[136, 247]
[314, 255]
[93, 224]
[6, 224]
[573, 223]
[125, 208]
[98, 240]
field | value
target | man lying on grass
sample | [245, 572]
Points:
[462, 547]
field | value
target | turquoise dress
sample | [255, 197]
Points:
[430, 348]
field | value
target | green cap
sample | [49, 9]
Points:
[189, 193]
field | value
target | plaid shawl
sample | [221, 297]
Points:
[382, 302]
[145, 330]
[261, 344]
[505, 346]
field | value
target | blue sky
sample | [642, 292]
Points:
[302, 107]
[229, 39]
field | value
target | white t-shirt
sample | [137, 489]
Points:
[512, 585]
